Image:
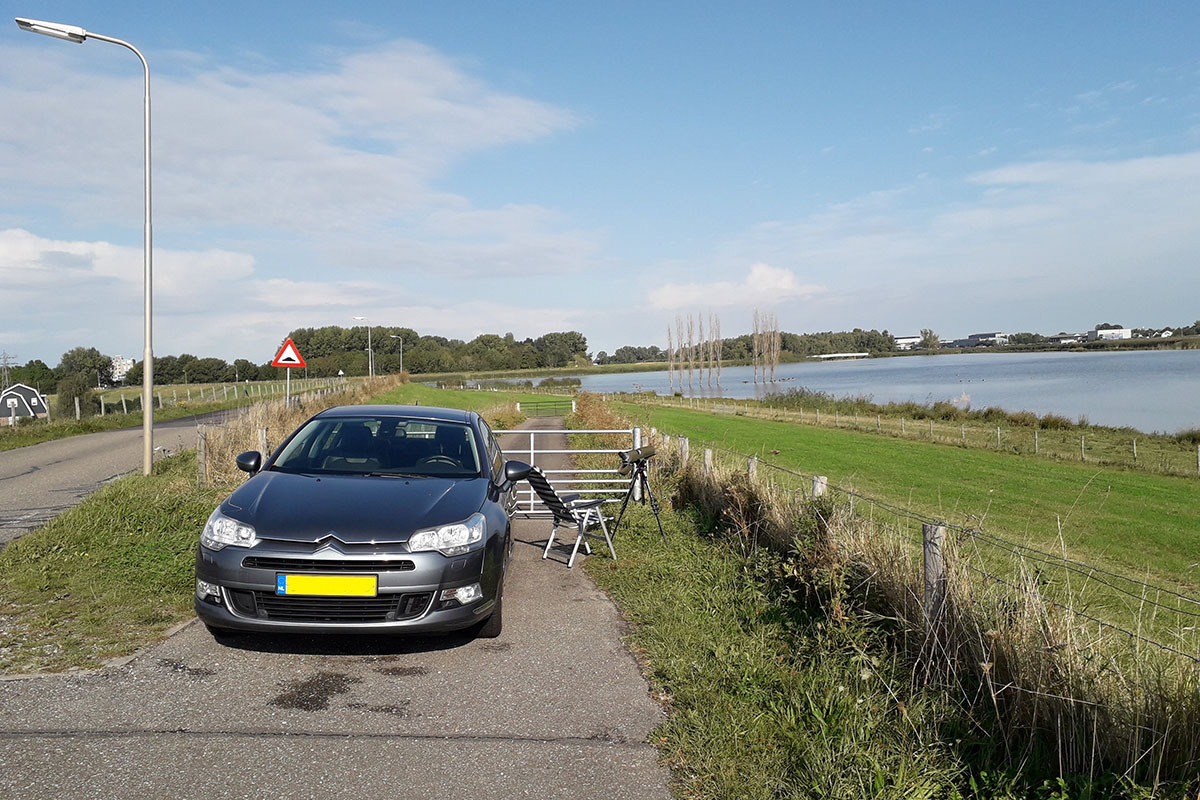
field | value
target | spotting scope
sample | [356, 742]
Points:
[631, 457]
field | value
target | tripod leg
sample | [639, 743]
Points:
[624, 503]
[653, 506]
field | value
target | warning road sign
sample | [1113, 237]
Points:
[288, 356]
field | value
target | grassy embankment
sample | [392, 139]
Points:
[799, 668]
[1138, 525]
[112, 574]
[1049, 436]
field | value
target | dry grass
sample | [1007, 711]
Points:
[1050, 693]
[1041, 681]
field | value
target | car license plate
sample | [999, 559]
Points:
[328, 585]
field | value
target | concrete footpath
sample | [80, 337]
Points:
[554, 708]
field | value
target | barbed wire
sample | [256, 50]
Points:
[1018, 549]
[1083, 614]
[978, 532]
[1087, 571]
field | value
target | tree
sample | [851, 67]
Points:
[87, 361]
[77, 385]
[929, 339]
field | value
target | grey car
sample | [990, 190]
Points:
[381, 519]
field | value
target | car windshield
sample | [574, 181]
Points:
[382, 445]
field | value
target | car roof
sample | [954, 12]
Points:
[412, 412]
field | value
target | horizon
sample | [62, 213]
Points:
[534, 168]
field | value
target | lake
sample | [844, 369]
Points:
[1147, 390]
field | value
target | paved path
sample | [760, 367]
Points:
[554, 708]
[43, 480]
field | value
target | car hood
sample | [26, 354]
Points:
[354, 508]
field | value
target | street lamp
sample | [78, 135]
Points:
[401, 338]
[73, 33]
[370, 352]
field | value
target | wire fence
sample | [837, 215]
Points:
[1101, 585]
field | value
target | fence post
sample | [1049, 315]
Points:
[878, 423]
[159, 396]
[77, 409]
[931, 430]
[708, 461]
[819, 484]
[102, 414]
[818, 416]
[997, 436]
[752, 468]
[1082, 449]
[685, 447]
[124, 408]
[224, 392]
[1035, 441]
[189, 391]
[201, 454]
[262, 442]
[962, 432]
[653, 434]
[572, 405]
[1134, 448]
[932, 539]
[902, 426]
[837, 418]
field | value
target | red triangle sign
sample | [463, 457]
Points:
[288, 356]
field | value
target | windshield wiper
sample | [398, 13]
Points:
[393, 475]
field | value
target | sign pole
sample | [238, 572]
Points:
[287, 393]
[288, 356]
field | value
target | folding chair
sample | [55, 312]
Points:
[570, 511]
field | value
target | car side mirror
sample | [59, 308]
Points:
[250, 461]
[516, 471]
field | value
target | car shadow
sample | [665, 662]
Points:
[341, 644]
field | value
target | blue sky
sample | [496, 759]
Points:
[464, 168]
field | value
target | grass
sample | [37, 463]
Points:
[1049, 436]
[1136, 523]
[105, 577]
[769, 698]
[766, 607]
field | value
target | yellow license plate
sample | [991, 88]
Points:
[328, 585]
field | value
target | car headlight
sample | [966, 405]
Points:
[221, 531]
[450, 540]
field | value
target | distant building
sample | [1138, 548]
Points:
[1062, 337]
[1109, 334]
[19, 401]
[992, 338]
[907, 342]
[121, 367]
[1168, 333]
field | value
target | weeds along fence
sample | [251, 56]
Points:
[1011, 629]
[1063, 440]
[263, 426]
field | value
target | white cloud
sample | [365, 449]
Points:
[763, 284]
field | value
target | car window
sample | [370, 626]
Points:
[363, 445]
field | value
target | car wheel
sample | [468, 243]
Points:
[490, 628]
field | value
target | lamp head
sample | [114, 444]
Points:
[70, 33]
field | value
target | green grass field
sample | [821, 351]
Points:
[1138, 524]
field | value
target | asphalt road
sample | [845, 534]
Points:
[554, 708]
[42, 480]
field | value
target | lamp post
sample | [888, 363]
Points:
[401, 338]
[370, 352]
[73, 33]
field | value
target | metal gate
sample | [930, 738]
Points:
[606, 483]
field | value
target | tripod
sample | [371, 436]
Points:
[639, 479]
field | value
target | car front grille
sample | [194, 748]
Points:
[328, 564]
[284, 608]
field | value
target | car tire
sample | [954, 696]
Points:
[490, 628]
